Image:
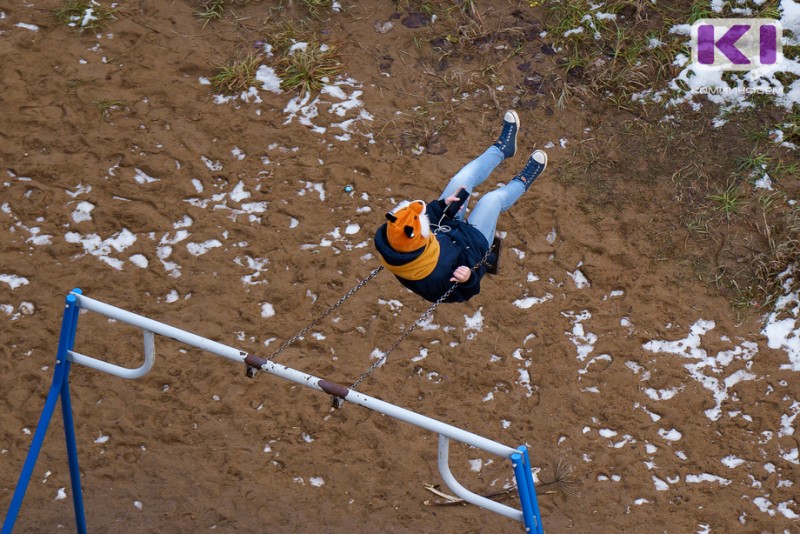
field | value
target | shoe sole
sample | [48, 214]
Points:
[542, 152]
[517, 122]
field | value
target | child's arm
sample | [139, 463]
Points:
[449, 207]
[455, 202]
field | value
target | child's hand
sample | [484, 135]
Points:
[454, 196]
[461, 274]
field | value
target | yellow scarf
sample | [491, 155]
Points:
[420, 267]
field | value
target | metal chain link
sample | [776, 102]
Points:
[286, 344]
[327, 312]
[414, 326]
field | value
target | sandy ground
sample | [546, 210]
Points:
[232, 221]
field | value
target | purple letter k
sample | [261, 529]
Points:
[726, 44]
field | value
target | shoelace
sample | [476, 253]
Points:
[505, 135]
[532, 169]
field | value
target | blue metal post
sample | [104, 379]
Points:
[69, 431]
[72, 457]
[60, 378]
[519, 473]
[534, 502]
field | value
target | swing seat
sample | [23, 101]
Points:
[497, 245]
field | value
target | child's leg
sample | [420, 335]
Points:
[491, 205]
[473, 174]
[484, 216]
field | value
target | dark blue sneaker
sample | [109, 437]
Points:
[507, 142]
[535, 166]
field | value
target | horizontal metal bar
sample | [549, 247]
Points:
[464, 493]
[161, 329]
[293, 375]
[444, 430]
[383, 407]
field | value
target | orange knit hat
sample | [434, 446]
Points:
[408, 228]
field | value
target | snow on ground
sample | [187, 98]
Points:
[734, 90]
[782, 325]
[703, 366]
[338, 103]
[14, 281]
[341, 100]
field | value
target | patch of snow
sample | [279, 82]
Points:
[529, 302]
[579, 278]
[142, 177]
[198, 249]
[14, 280]
[584, 341]
[83, 212]
[475, 322]
[690, 348]
[782, 325]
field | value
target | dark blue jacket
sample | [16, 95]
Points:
[460, 243]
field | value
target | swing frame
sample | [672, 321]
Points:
[529, 514]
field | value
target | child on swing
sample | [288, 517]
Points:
[429, 247]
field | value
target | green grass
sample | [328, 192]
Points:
[791, 126]
[699, 225]
[212, 10]
[105, 106]
[769, 10]
[237, 75]
[307, 69]
[303, 68]
[790, 170]
[727, 200]
[753, 163]
[481, 43]
[701, 9]
[573, 61]
[85, 14]
[565, 16]
[614, 55]
[782, 252]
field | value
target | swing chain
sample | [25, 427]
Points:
[404, 335]
[327, 312]
[413, 327]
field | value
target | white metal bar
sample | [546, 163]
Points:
[395, 411]
[116, 370]
[293, 375]
[161, 329]
[428, 423]
[461, 491]
[444, 430]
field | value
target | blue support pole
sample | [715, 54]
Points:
[534, 502]
[72, 457]
[69, 431]
[522, 487]
[59, 385]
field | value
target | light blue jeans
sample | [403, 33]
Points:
[492, 204]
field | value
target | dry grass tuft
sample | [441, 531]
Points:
[237, 75]
[105, 106]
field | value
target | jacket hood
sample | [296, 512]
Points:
[390, 255]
